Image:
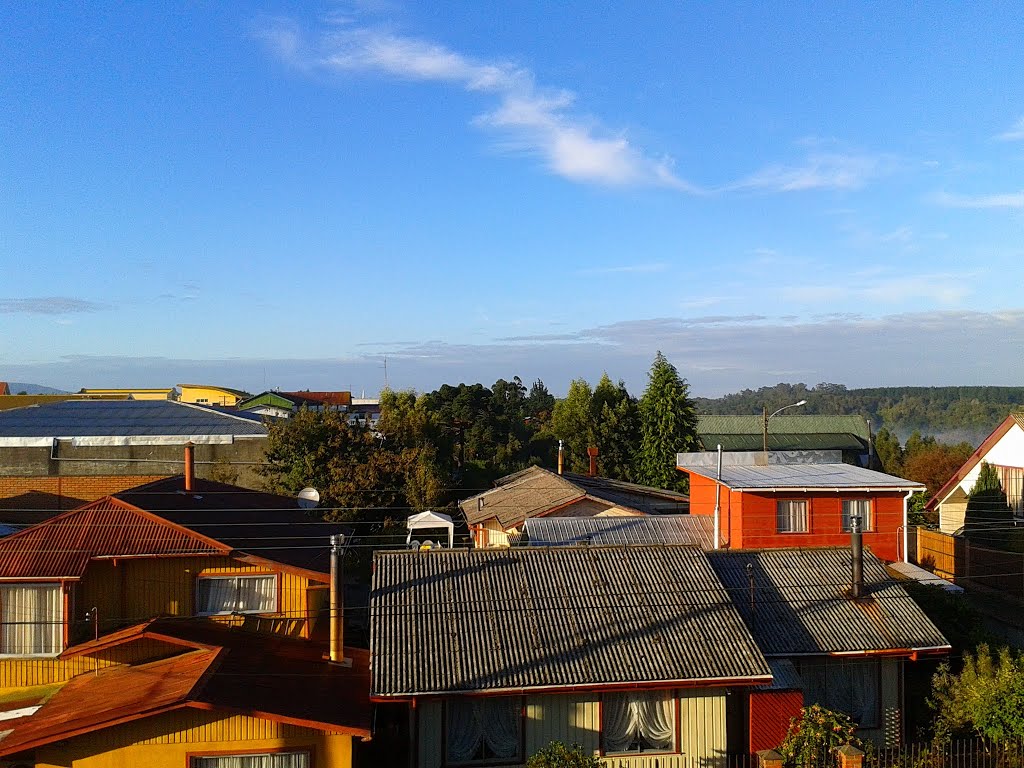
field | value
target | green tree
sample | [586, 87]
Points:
[988, 518]
[539, 402]
[668, 425]
[616, 430]
[572, 423]
[985, 699]
[889, 452]
[814, 737]
[558, 755]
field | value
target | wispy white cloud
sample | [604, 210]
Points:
[528, 117]
[945, 288]
[1016, 133]
[626, 269]
[1007, 200]
[819, 170]
[49, 305]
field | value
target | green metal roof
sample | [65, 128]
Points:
[784, 442]
[785, 433]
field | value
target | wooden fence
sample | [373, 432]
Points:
[958, 559]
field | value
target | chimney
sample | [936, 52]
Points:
[560, 459]
[337, 618]
[592, 453]
[190, 465]
[857, 550]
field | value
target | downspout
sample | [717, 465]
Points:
[906, 523]
[718, 502]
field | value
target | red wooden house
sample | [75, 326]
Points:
[798, 505]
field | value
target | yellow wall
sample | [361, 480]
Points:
[165, 741]
[136, 394]
[208, 395]
[133, 591]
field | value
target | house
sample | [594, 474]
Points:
[284, 404]
[194, 694]
[632, 652]
[229, 585]
[58, 455]
[207, 394]
[843, 651]
[157, 393]
[1004, 450]
[851, 435]
[798, 504]
[497, 513]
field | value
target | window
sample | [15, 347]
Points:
[236, 594]
[851, 687]
[483, 730]
[272, 760]
[791, 516]
[1012, 481]
[31, 619]
[638, 721]
[860, 507]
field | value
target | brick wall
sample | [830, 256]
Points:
[67, 492]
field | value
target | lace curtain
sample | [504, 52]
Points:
[791, 516]
[483, 728]
[237, 593]
[31, 615]
[638, 721]
[860, 507]
[275, 760]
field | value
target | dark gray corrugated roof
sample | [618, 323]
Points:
[122, 418]
[696, 530]
[527, 618]
[801, 603]
[799, 476]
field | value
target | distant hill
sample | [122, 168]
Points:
[18, 387]
[951, 414]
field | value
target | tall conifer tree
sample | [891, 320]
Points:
[668, 425]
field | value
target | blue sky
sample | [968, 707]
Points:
[281, 195]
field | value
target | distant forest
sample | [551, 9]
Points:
[951, 414]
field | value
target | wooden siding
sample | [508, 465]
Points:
[165, 741]
[938, 553]
[576, 718]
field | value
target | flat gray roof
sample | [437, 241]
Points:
[801, 476]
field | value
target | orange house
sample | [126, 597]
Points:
[799, 505]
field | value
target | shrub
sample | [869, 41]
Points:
[814, 737]
[557, 755]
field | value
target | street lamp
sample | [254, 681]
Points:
[776, 413]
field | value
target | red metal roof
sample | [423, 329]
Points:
[324, 398]
[62, 546]
[91, 702]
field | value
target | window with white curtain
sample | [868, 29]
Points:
[791, 516]
[31, 619]
[483, 730]
[236, 594]
[638, 721]
[860, 507]
[271, 760]
[851, 687]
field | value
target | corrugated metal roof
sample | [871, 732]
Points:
[533, 618]
[63, 546]
[785, 424]
[536, 491]
[799, 476]
[783, 441]
[801, 603]
[123, 418]
[695, 530]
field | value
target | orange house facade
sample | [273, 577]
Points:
[770, 506]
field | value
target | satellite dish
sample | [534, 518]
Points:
[309, 498]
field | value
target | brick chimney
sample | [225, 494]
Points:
[592, 453]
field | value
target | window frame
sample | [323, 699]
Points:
[237, 576]
[677, 736]
[518, 759]
[61, 621]
[806, 516]
[867, 522]
[872, 666]
[192, 757]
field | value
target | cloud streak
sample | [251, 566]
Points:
[536, 120]
[1005, 201]
[820, 170]
[49, 305]
[1016, 133]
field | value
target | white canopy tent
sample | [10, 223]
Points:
[428, 519]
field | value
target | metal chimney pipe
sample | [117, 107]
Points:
[337, 649]
[592, 453]
[753, 590]
[560, 453]
[190, 465]
[857, 550]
